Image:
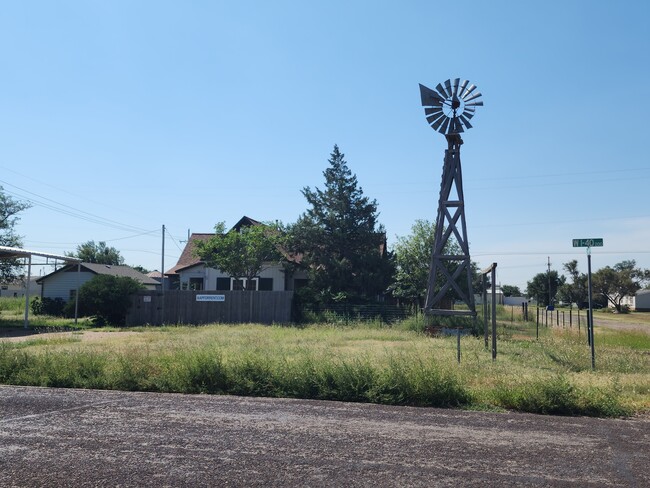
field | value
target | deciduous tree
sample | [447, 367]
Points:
[9, 208]
[510, 291]
[412, 256]
[99, 253]
[243, 253]
[624, 279]
[575, 291]
[537, 288]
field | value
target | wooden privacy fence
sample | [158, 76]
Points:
[203, 307]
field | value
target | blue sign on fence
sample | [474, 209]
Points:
[210, 298]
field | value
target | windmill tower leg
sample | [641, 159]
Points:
[450, 275]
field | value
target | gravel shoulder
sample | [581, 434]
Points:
[57, 437]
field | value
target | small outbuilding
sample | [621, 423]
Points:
[642, 301]
[63, 283]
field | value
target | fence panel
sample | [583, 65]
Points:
[183, 307]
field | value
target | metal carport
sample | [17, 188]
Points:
[15, 252]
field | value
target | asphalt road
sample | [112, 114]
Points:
[57, 437]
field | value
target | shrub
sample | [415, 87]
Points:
[107, 298]
[48, 306]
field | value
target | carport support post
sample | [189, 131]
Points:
[29, 279]
[494, 312]
[76, 294]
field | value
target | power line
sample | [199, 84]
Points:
[62, 190]
[73, 212]
[174, 241]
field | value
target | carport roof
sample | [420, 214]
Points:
[16, 252]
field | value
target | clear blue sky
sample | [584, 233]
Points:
[120, 116]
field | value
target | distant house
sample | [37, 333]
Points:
[17, 288]
[190, 273]
[64, 282]
[478, 297]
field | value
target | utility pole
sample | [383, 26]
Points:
[162, 279]
[549, 280]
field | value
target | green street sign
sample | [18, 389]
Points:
[587, 243]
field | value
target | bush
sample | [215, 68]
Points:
[48, 306]
[107, 298]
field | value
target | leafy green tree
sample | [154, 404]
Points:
[412, 257]
[412, 262]
[510, 291]
[99, 253]
[243, 253]
[575, 291]
[107, 298]
[9, 208]
[538, 287]
[341, 242]
[624, 279]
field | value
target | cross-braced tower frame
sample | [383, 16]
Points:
[448, 110]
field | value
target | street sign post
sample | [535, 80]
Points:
[589, 243]
[596, 242]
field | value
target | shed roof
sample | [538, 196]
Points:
[108, 269]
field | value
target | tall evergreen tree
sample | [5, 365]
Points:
[342, 243]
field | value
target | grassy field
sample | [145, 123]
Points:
[360, 362]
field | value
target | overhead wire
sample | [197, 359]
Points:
[58, 189]
[73, 212]
[173, 240]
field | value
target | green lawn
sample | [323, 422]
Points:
[361, 362]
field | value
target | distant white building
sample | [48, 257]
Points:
[17, 288]
[478, 297]
[642, 301]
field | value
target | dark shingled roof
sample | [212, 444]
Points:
[187, 257]
[108, 269]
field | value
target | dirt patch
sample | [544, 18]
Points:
[20, 334]
[620, 325]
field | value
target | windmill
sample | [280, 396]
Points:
[448, 110]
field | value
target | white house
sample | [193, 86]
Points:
[190, 273]
[65, 282]
[17, 288]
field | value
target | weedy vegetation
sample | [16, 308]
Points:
[359, 362]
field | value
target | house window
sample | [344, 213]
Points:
[196, 284]
[244, 283]
[73, 294]
[223, 284]
[266, 284]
